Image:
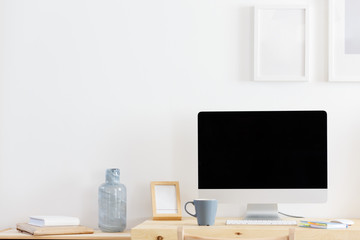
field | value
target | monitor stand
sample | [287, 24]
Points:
[262, 212]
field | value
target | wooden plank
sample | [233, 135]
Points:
[53, 230]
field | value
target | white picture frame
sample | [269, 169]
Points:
[343, 65]
[166, 200]
[281, 43]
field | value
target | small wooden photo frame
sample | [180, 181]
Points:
[166, 200]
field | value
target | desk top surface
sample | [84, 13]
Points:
[151, 229]
[220, 223]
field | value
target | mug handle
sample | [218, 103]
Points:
[194, 215]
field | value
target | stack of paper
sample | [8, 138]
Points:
[41, 221]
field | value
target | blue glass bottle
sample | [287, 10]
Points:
[112, 203]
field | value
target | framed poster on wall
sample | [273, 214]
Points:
[281, 43]
[344, 40]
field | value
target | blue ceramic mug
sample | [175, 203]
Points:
[205, 211]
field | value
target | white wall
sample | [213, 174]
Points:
[88, 85]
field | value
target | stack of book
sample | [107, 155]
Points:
[53, 225]
[323, 225]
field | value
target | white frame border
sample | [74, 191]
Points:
[256, 75]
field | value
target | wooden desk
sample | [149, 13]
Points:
[166, 230]
[98, 235]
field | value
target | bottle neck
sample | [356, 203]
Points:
[113, 176]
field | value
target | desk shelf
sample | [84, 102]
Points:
[97, 235]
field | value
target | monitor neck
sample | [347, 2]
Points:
[262, 212]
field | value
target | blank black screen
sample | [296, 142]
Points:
[262, 150]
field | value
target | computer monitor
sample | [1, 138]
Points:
[262, 158]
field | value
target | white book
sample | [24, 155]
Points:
[41, 221]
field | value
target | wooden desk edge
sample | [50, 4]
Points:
[97, 235]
